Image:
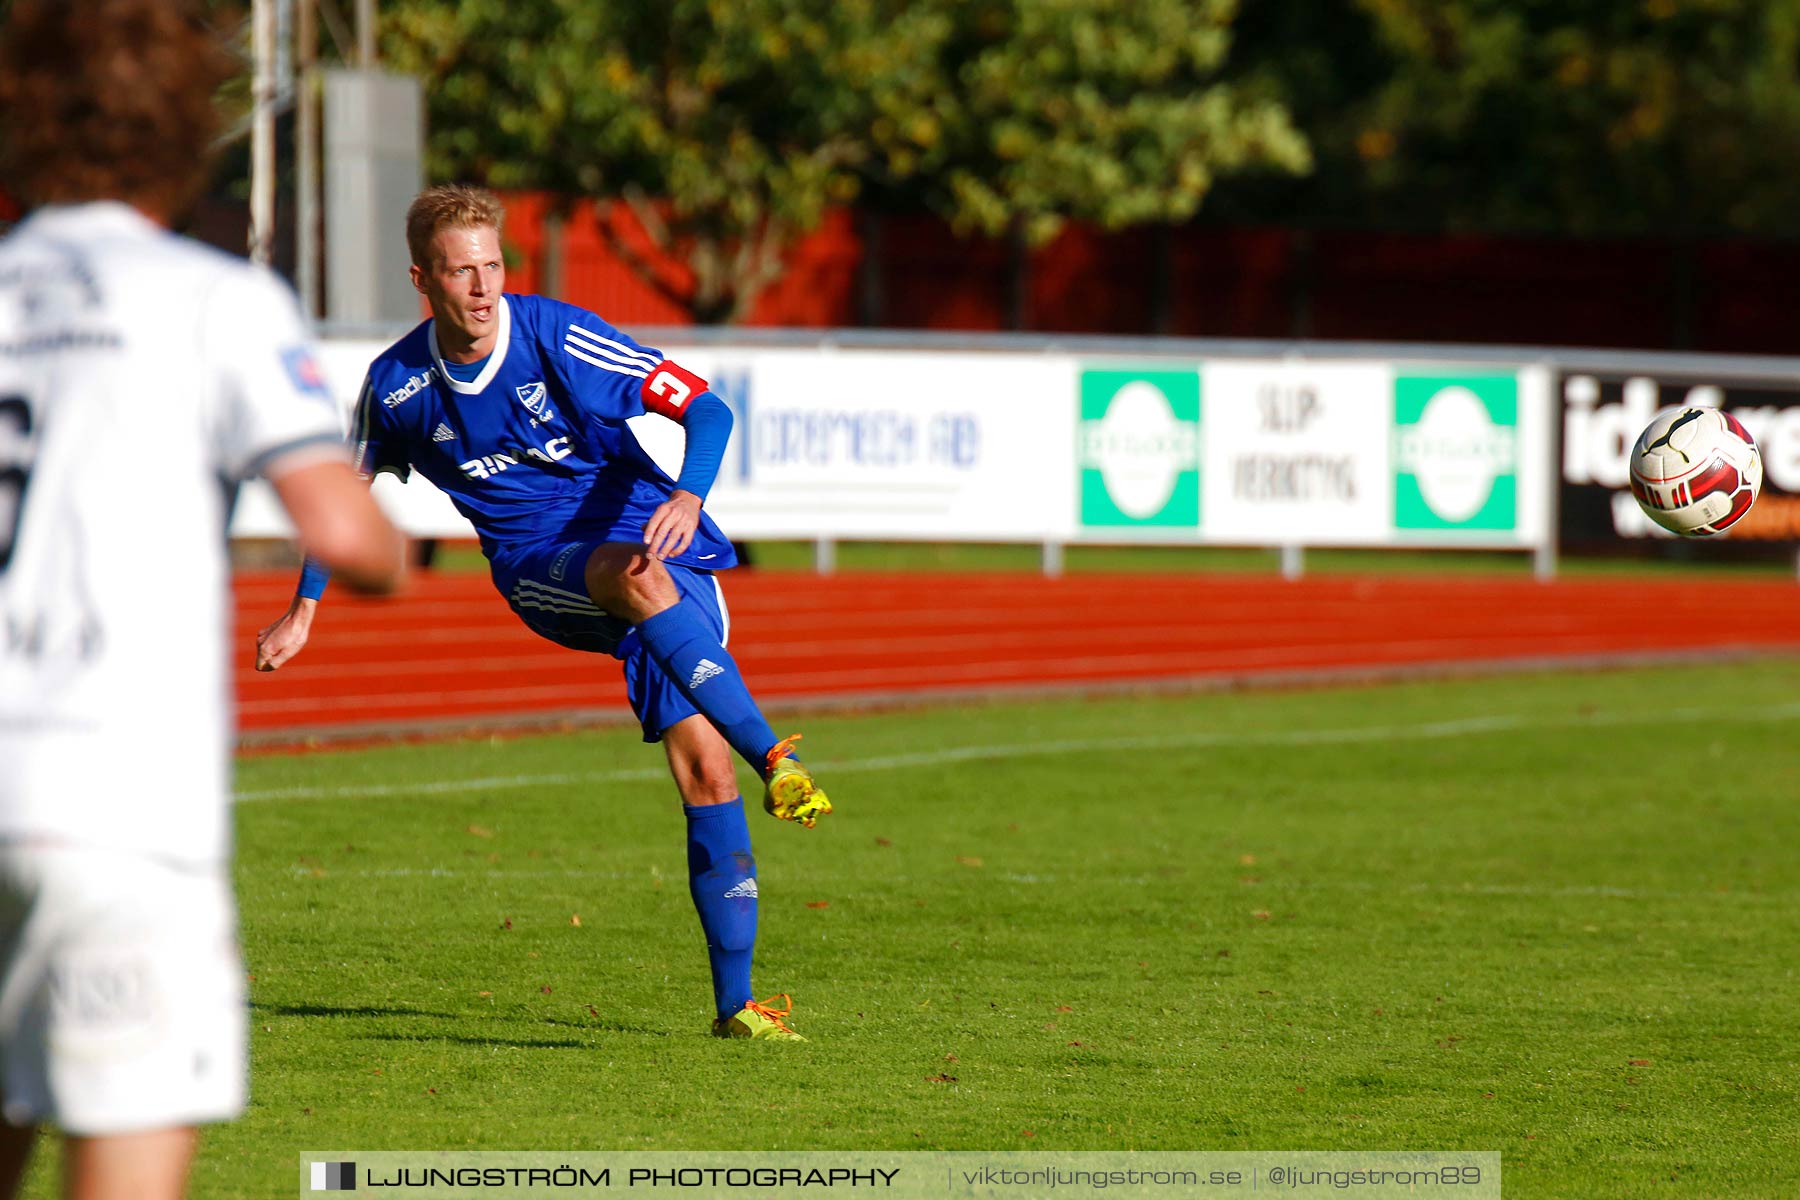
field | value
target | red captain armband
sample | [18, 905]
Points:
[668, 388]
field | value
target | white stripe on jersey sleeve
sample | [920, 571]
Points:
[361, 421]
[603, 364]
[361, 430]
[590, 340]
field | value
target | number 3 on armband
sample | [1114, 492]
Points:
[670, 387]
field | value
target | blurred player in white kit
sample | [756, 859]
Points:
[141, 377]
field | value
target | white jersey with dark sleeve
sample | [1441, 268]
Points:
[142, 376]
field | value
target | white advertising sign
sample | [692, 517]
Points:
[1471, 455]
[882, 444]
[1000, 446]
[1295, 452]
[842, 444]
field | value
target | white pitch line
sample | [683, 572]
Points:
[1266, 887]
[1427, 731]
[439, 787]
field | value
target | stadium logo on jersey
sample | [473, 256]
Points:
[704, 670]
[443, 433]
[407, 390]
[535, 400]
[743, 891]
[304, 370]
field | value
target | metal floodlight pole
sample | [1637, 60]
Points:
[306, 173]
[365, 34]
[262, 132]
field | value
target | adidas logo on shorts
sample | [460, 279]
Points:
[744, 890]
[703, 671]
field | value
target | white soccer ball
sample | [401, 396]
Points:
[1696, 471]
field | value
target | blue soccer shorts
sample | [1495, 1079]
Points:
[546, 588]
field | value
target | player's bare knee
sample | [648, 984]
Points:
[701, 763]
[705, 780]
[702, 774]
[626, 582]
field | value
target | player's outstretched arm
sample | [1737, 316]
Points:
[670, 530]
[343, 529]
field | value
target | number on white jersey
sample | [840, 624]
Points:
[16, 454]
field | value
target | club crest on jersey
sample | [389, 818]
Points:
[535, 400]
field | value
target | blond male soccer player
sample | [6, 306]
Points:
[516, 406]
[141, 375]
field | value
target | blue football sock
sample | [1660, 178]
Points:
[682, 643]
[722, 880]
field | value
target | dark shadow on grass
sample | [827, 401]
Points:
[357, 1010]
[459, 1040]
[346, 1010]
[604, 1026]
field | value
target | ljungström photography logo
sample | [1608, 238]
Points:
[334, 1177]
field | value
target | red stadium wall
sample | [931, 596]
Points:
[913, 272]
[910, 271]
[816, 289]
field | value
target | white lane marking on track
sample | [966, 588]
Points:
[1430, 730]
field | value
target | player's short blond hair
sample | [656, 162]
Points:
[449, 206]
[108, 99]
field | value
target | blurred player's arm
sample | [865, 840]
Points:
[331, 527]
[347, 537]
[339, 527]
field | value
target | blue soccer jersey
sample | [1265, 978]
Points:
[535, 448]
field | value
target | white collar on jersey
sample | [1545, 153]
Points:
[480, 382]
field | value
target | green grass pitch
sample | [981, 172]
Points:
[1556, 916]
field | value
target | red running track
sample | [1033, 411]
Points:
[450, 654]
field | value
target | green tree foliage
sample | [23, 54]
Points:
[1018, 113]
[1578, 116]
[727, 126]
